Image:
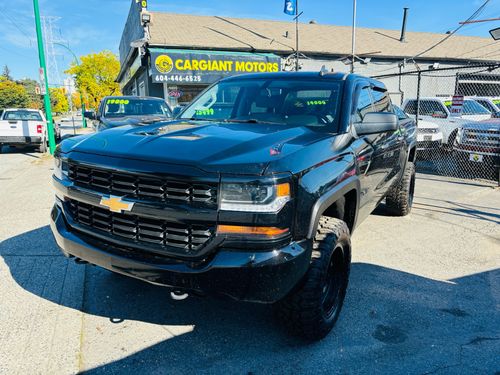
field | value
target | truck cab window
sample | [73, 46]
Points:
[381, 100]
[363, 105]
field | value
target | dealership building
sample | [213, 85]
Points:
[175, 56]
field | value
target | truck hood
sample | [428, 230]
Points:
[489, 125]
[210, 146]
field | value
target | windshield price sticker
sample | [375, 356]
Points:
[204, 112]
[457, 103]
[316, 102]
[118, 101]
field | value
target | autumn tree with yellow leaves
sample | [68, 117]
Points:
[95, 77]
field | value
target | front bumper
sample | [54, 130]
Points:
[477, 150]
[264, 277]
[429, 145]
[8, 140]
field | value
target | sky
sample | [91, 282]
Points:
[95, 25]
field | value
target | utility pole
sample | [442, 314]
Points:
[353, 49]
[297, 15]
[77, 62]
[43, 67]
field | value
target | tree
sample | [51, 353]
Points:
[77, 103]
[12, 95]
[58, 100]
[95, 76]
[35, 100]
[6, 73]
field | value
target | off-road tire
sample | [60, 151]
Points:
[400, 199]
[313, 307]
[43, 147]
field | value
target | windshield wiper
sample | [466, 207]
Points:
[226, 120]
[202, 119]
[252, 121]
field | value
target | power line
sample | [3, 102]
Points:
[475, 49]
[15, 24]
[15, 52]
[489, 54]
[474, 15]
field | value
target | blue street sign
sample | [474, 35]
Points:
[290, 7]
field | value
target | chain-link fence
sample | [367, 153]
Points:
[458, 122]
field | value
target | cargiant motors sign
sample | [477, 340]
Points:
[195, 67]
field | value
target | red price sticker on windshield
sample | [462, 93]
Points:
[457, 103]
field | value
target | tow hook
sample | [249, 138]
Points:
[177, 295]
[80, 261]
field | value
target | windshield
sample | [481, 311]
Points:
[488, 105]
[281, 101]
[22, 115]
[121, 107]
[471, 107]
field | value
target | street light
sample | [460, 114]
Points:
[84, 121]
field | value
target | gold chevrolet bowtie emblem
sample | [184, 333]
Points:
[115, 204]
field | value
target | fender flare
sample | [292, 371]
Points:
[412, 145]
[327, 199]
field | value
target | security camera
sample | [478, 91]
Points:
[145, 18]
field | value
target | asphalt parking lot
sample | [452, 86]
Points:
[423, 298]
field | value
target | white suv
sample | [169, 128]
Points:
[435, 109]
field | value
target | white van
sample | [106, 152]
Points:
[23, 127]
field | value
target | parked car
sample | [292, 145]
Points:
[21, 127]
[489, 104]
[479, 142]
[429, 135]
[128, 110]
[434, 109]
[253, 198]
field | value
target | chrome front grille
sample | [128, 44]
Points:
[142, 187]
[188, 239]
[481, 138]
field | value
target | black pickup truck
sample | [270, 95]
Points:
[252, 192]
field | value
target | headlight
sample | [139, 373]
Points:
[254, 197]
[60, 168]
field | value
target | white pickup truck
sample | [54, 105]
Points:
[20, 127]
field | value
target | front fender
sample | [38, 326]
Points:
[319, 187]
[330, 197]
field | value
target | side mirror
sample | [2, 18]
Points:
[176, 111]
[90, 115]
[377, 122]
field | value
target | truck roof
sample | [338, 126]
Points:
[22, 109]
